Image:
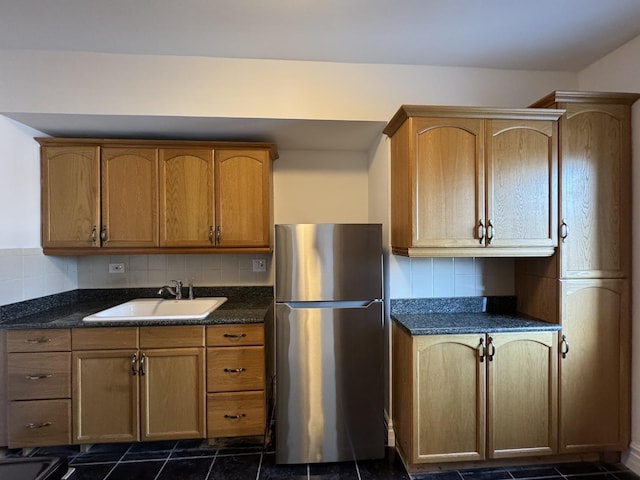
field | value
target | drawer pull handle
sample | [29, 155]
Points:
[37, 425]
[235, 370]
[37, 340]
[41, 376]
[235, 335]
[234, 417]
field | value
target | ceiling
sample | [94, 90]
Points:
[558, 35]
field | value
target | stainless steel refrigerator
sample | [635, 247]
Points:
[329, 343]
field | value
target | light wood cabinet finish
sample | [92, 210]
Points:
[104, 338]
[172, 337]
[129, 197]
[585, 286]
[594, 374]
[233, 335]
[38, 340]
[173, 394]
[453, 403]
[70, 178]
[115, 196]
[473, 182]
[231, 369]
[243, 198]
[33, 376]
[40, 422]
[235, 414]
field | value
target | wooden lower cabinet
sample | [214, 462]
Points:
[473, 397]
[595, 372]
[39, 422]
[124, 395]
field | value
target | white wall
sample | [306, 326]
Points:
[620, 72]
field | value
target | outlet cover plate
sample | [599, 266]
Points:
[259, 265]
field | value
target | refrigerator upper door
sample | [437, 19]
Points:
[328, 262]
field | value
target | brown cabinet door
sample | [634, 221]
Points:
[243, 198]
[595, 191]
[450, 397]
[186, 197]
[522, 394]
[594, 374]
[39, 422]
[233, 414]
[448, 188]
[105, 396]
[70, 196]
[173, 393]
[129, 197]
[522, 165]
[232, 369]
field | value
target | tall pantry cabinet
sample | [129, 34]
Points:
[585, 285]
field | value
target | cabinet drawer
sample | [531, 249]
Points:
[40, 422]
[106, 338]
[172, 337]
[45, 340]
[235, 335]
[39, 375]
[233, 369]
[235, 414]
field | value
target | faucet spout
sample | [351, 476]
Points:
[176, 291]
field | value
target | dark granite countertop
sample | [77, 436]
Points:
[66, 310]
[443, 316]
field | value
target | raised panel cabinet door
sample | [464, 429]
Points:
[173, 393]
[594, 373]
[186, 197]
[449, 398]
[448, 188]
[70, 200]
[243, 198]
[522, 172]
[105, 396]
[129, 197]
[595, 191]
[522, 394]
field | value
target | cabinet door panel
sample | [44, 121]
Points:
[186, 197]
[449, 186]
[70, 196]
[173, 394]
[105, 397]
[449, 395]
[522, 183]
[243, 191]
[522, 395]
[596, 191]
[594, 376]
[129, 197]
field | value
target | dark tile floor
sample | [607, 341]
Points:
[196, 460]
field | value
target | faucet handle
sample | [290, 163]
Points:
[191, 293]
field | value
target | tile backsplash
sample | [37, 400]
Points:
[27, 273]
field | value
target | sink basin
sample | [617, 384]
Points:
[157, 309]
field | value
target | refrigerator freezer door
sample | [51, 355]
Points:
[328, 262]
[329, 381]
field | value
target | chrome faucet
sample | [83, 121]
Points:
[176, 291]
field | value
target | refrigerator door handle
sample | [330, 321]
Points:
[340, 304]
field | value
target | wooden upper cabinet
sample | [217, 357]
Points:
[70, 178]
[243, 204]
[186, 197]
[129, 197]
[473, 182]
[522, 165]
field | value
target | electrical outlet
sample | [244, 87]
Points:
[259, 265]
[116, 268]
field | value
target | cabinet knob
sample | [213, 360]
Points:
[564, 346]
[490, 232]
[480, 232]
[211, 234]
[103, 234]
[564, 230]
[492, 349]
[93, 234]
[218, 234]
[134, 360]
[481, 350]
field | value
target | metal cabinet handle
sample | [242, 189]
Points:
[235, 370]
[134, 360]
[564, 346]
[103, 234]
[480, 232]
[492, 349]
[93, 234]
[490, 232]
[481, 350]
[40, 340]
[218, 231]
[211, 234]
[37, 425]
[564, 230]
[40, 376]
[143, 359]
[235, 417]
[235, 335]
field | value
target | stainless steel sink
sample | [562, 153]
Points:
[158, 309]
